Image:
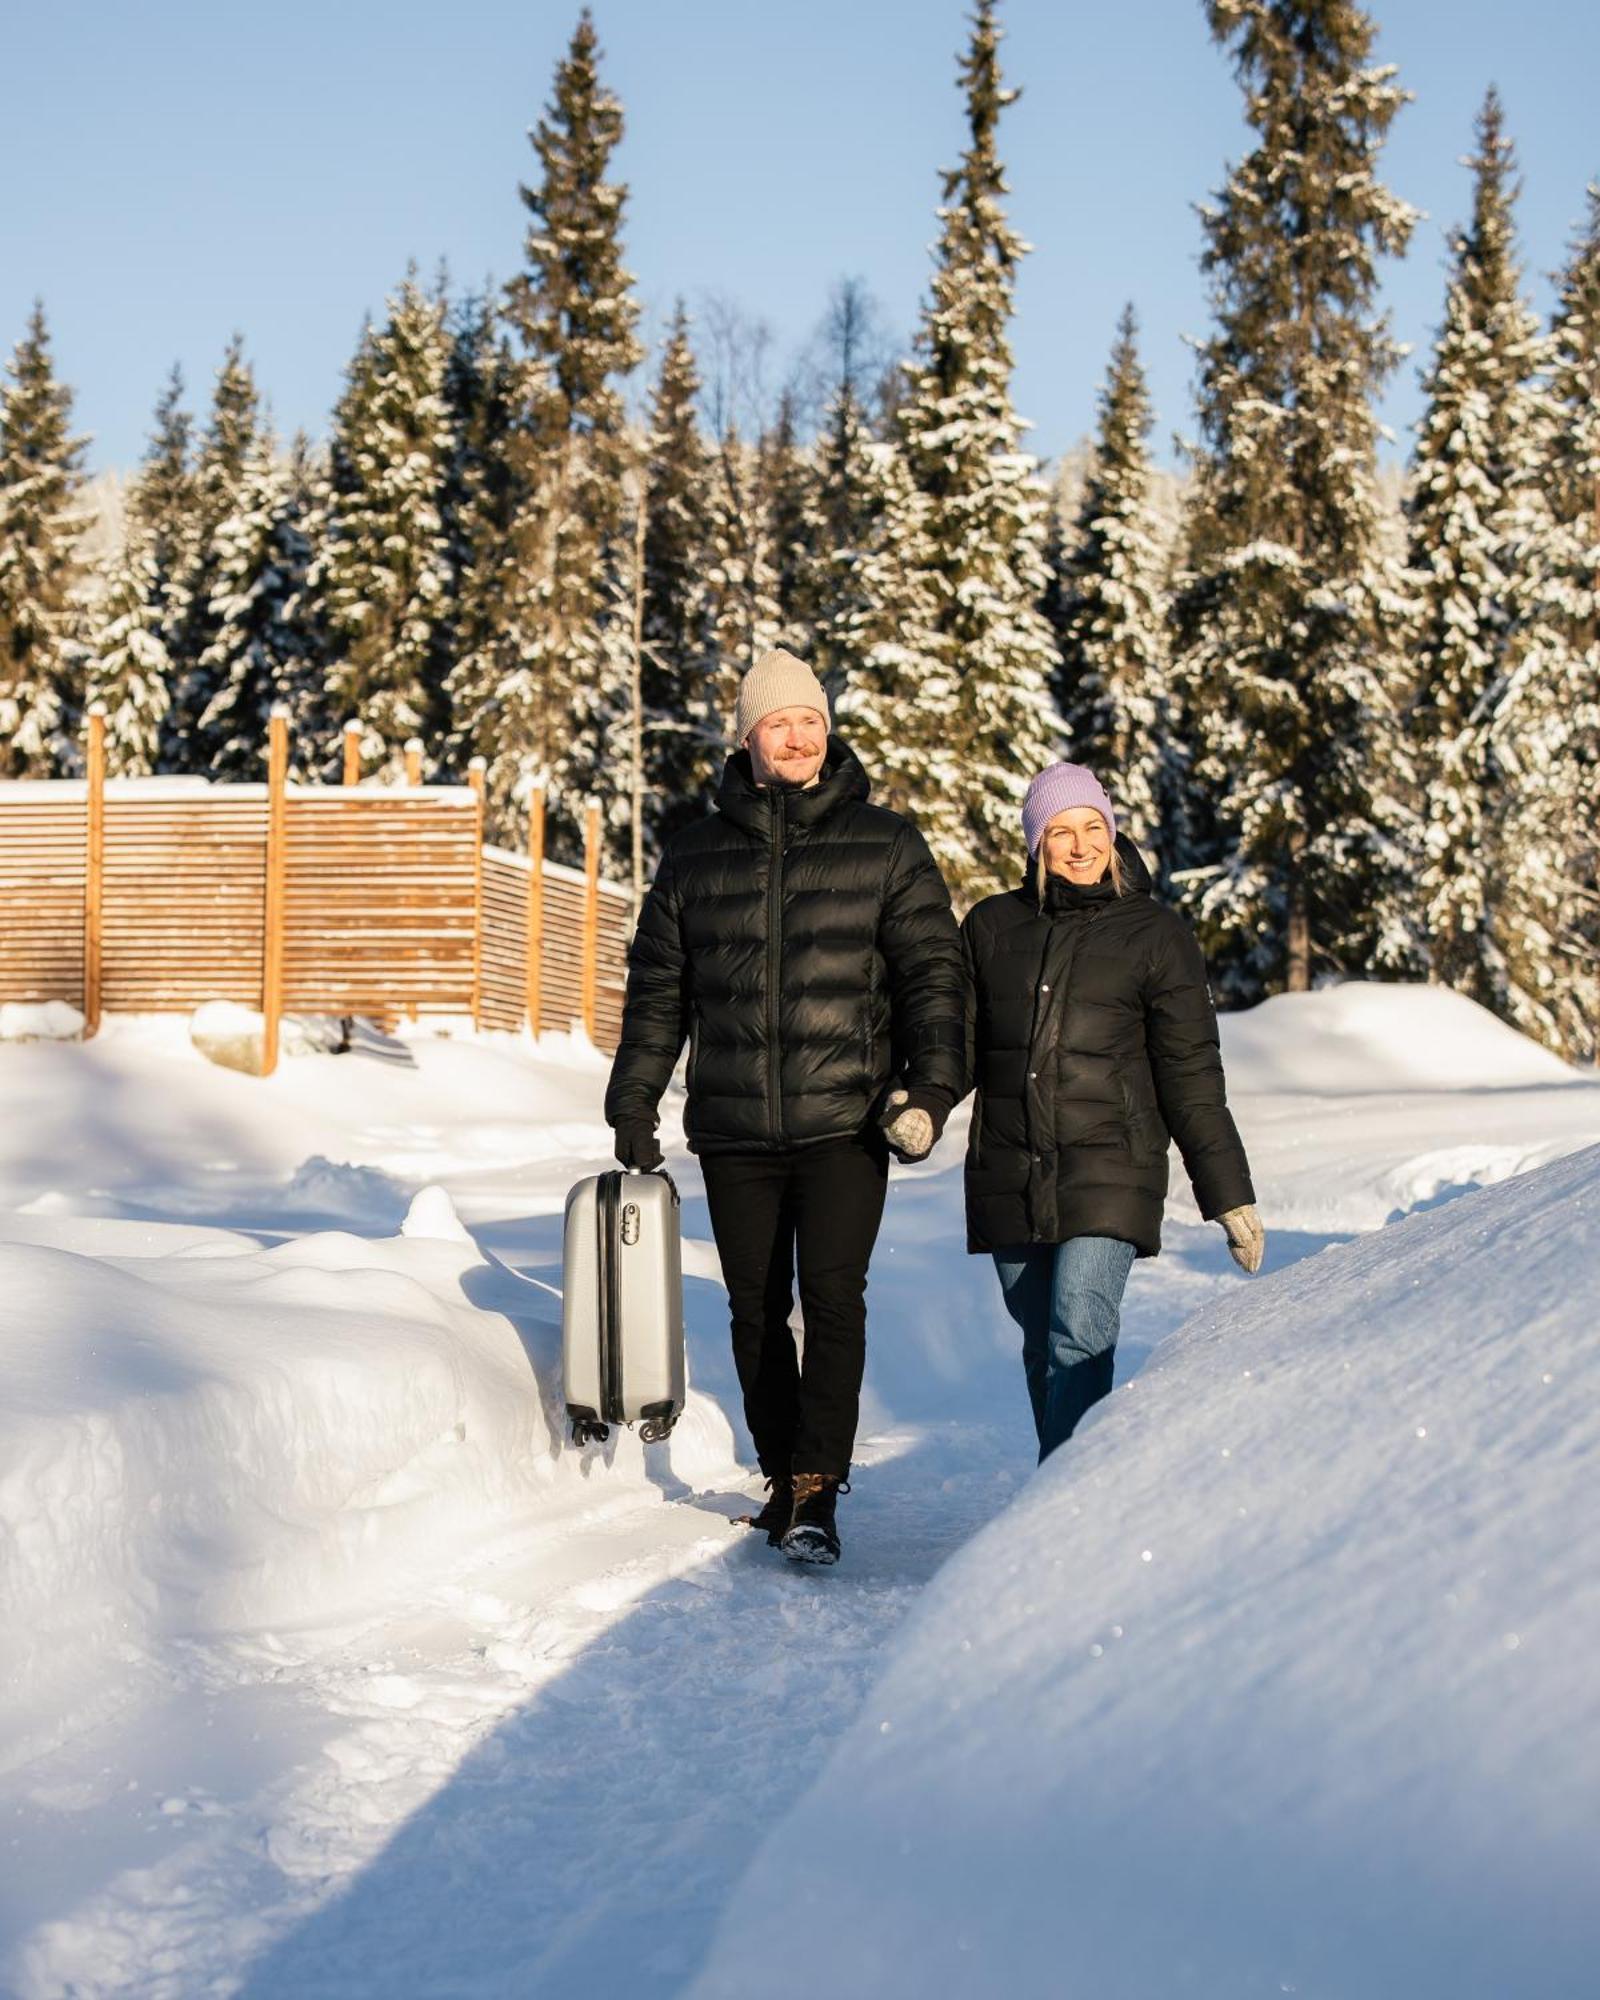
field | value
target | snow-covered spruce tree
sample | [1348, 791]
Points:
[1108, 607]
[1572, 606]
[485, 503]
[557, 710]
[139, 616]
[740, 574]
[1287, 604]
[259, 651]
[1483, 653]
[684, 740]
[883, 638]
[382, 574]
[847, 487]
[42, 656]
[984, 690]
[788, 479]
[1546, 721]
[231, 435]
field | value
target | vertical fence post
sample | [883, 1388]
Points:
[352, 752]
[94, 870]
[414, 760]
[476, 772]
[273, 903]
[535, 961]
[591, 914]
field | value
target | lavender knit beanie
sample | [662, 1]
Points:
[1057, 790]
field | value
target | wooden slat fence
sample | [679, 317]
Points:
[505, 944]
[391, 905]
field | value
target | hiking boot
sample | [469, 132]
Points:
[812, 1535]
[774, 1518]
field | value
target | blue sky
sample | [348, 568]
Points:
[169, 173]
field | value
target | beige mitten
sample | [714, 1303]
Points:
[1247, 1238]
[908, 1128]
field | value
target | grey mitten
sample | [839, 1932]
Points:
[912, 1122]
[1247, 1237]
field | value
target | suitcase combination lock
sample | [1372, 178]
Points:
[630, 1222]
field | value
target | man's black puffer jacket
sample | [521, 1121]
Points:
[803, 943]
[1092, 1040]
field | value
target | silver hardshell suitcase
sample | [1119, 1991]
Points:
[622, 1306]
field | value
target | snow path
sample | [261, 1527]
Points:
[560, 1754]
[561, 1746]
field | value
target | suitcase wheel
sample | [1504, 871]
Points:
[589, 1430]
[658, 1423]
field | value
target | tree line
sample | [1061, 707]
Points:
[1355, 739]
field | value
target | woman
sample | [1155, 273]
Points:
[1092, 1042]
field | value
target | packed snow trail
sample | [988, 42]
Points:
[535, 1737]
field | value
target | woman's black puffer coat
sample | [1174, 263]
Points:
[803, 943]
[1092, 1041]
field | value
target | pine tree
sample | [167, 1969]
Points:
[1479, 540]
[231, 436]
[488, 504]
[683, 738]
[1108, 609]
[42, 656]
[794, 530]
[848, 489]
[742, 580]
[883, 636]
[1545, 728]
[383, 575]
[130, 667]
[983, 690]
[556, 711]
[1574, 605]
[141, 612]
[1287, 603]
[257, 655]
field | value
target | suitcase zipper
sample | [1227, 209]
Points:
[611, 1411]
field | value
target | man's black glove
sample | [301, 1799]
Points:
[636, 1146]
[912, 1120]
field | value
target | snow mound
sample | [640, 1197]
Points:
[1280, 1678]
[39, 1021]
[202, 1437]
[1369, 1036]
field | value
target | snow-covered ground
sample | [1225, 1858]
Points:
[330, 1668]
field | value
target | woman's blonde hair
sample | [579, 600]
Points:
[1041, 874]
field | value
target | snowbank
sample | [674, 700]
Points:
[39, 1021]
[1370, 1036]
[1280, 1679]
[198, 1435]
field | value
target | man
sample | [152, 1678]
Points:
[802, 942]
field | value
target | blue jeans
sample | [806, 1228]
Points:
[1067, 1298]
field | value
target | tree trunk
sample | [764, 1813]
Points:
[1299, 939]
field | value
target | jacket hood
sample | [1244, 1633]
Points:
[843, 781]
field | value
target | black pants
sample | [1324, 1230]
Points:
[819, 1206]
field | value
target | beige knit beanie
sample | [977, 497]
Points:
[777, 680]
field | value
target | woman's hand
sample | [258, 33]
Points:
[1247, 1237]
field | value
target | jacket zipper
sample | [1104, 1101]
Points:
[775, 968]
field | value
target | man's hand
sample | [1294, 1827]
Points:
[1247, 1238]
[911, 1122]
[636, 1146]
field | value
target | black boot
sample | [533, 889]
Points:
[774, 1518]
[812, 1536]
